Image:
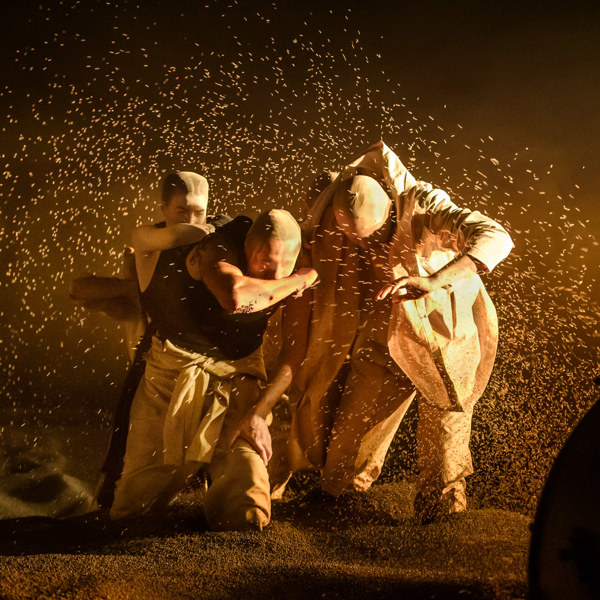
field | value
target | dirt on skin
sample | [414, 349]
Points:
[365, 546]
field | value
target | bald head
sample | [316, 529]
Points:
[272, 245]
[361, 206]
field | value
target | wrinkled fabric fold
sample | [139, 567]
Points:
[444, 343]
[183, 413]
[199, 400]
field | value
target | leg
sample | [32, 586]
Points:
[444, 461]
[376, 398]
[239, 495]
[113, 463]
[279, 467]
[146, 480]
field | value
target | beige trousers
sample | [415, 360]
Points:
[182, 415]
[376, 396]
[375, 399]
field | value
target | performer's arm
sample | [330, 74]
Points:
[295, 326]
[480, 241]
[470, 232]
[148, 238]
[149, 241]
[91, 287]
[115, 297]
[410, 288]
[216, 265]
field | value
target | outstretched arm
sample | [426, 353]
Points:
[148, 238]
[479, 241]
[410, 288]
[90, 287]
[111, 295]
[466, 231]
[295, 325]
[149, 241]
[239, 293]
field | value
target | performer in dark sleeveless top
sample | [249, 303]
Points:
[209, 305]
[184, 203]
[113, 463]
[184, 311]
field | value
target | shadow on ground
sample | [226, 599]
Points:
[364, 547]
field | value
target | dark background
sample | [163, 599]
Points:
[495, 102]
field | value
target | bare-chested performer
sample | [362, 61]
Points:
[377, 234]
[209, 305]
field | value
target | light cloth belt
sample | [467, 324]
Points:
[199, 400]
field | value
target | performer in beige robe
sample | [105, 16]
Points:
[375, 225]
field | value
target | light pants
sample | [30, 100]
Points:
[376, 397]
[238, 497]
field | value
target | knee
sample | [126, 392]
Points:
[249, 518]
[239, 497]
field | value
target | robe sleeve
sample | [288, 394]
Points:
[469, 232]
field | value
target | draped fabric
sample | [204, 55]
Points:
[333, 325]
[183, 413]
[336, 307]
[445, 343]
[199, 400]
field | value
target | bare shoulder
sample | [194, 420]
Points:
[207, 254]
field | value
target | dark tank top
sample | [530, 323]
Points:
[185, 312]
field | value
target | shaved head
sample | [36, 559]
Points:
[273, 244]
[361, 206]
[192, 185]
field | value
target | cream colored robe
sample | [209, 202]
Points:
[445, 343]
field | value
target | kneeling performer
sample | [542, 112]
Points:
[209, 304]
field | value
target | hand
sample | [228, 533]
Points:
[310, 277]
[78, 289]
[406, 288]
[253, 428]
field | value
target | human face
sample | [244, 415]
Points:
[273, 260]
[181, 208]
